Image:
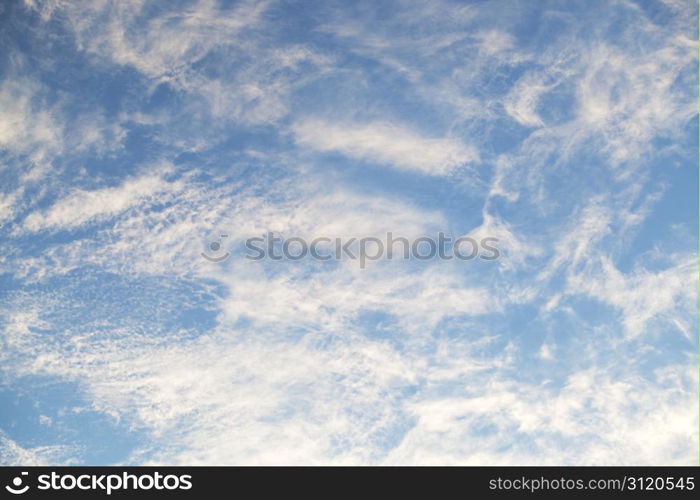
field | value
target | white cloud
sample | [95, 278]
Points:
[575, 246]
[252, 81]
[12, 454]
[172, 40]
[593, 419]
[386, 143]
[495, 41]
[335, 396]
[82, 206]
[521, 103]
[8, 205]
[25, 124]
[585, 256]
[642, 295]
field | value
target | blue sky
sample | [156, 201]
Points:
[133, 134]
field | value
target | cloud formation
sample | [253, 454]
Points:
[132, 135]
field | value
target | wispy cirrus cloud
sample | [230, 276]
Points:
[82, 206]
[387, 144]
